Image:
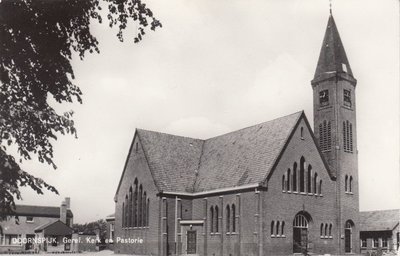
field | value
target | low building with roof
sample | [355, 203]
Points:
[37, 222]
[380, 230]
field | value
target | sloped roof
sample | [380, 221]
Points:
[246, 156]
[379, 220]
[173, 160]
[40, 211]
[56, 227]
[332, 55]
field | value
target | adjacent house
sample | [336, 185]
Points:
[47, 224]
[379, 230]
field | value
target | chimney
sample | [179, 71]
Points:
[63, 212]
[68, 202]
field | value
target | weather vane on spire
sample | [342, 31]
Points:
[330, 6]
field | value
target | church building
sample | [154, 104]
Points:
[276, 188]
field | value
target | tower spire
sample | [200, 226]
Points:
[330, 7]
[332, 59]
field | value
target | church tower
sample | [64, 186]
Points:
[335, 130]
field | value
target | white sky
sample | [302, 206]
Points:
[218, 66]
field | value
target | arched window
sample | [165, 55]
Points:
[144, 209]
[309, 179]
[212, 219]
[347, 136]
[123, 214]
[148, 212]
[283, 182]
[277, 228]
[288, 179]
[295, 176]
[300, 221]
[272, 227]
[228, 219]
[126, 211]
[140, 210]
[216, 219]
[129, 224]
[135, 204]
[350, 184]
[283, 228]
[326, 230]
[320, 187]
[315, 183]
[302, 162]
[321, 231]
[345, 183]
[302, 133]
[330, 230]
[233, 218]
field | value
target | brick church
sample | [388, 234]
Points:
[276, 188]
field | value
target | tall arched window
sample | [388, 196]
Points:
[135, 203]
[346, 178]
[283, 228]
[288, 179]
[129, 224]
[309, 179]
[295, 176]
[144, 209]
[272, 228]
[330, 230]
[326, 230]
[228, 219]
[212, 219]
[123, 214]
[148, 212]
[302, 162]
[277, 232]
[140, 196]
[347, 136]
[321, 231]
[216, 219]
[315, 185]
[126, 210]
[233, 218]
[283, 182]
[320, 187]
[350, 184]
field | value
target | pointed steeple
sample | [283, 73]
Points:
[332, 58]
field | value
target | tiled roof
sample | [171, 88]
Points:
[332, 55]
[173, 160]
[246, 156]
[379, 220]
[40, 211]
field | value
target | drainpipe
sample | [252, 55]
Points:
[176, 224]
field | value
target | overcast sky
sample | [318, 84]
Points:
[218, 66]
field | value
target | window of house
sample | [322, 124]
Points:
[345, 182]
[295, 176]
[216, 219]
[347, 97]
[330, 231]
[302, 133]
[277, 228]
[309, 179]
[283, 182]
[320, 188]
[351, 184]
[228, 219]
[283, 228]
[324, 98]
[384, 242]
[375, 243]
[233, 218]
[29, 219]
[302, 163]
[212, 219]
[364, 242]
[288, 179]
[321, 231]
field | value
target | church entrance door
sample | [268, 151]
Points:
[191, 242]
[300, 233]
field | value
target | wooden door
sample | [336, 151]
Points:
[191, 242]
